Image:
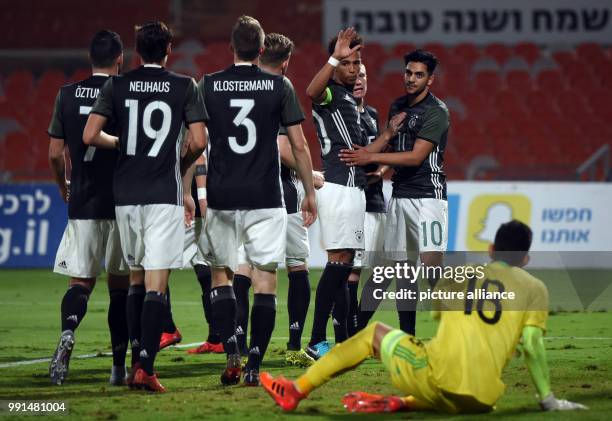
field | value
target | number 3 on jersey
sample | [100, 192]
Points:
[241, 119]
[159, 136]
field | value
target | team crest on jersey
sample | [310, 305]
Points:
[413, 121]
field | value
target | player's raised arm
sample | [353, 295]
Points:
[317, 89]
[537, 364]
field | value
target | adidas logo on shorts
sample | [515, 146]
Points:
[63, 264]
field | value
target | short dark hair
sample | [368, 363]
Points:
[278, 49]
[247, 38]
[357, 40]
[152, 40]
[422, 56]
[512, 242]
[104, 48]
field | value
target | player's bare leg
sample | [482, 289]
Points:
[346, 356]
[223, 302]
[330, 292]
[74, 307]
[263, 318]
[118, 286]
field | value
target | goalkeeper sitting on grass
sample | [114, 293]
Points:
[459, 370]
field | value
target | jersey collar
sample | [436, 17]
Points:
[157, 66]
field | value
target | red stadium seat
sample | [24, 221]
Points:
[499, 52]
[488, 81]
[465, 52]
[401, 49]
[439, 50]
[519, 80]
[527, 50]
[550, 81]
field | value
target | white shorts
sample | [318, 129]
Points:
[341, 216]
[85, 245]
[415, 226]
[374, 232]
[192, 252]
[262, 231]
[152, 236]
[298, 248]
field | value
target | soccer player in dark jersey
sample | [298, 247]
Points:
[375, 205]
[91, 236]
[150, 105]
[275, 59]
[341, 201]
[417, 221]
[245, 203]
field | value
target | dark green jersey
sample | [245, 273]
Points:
[428, 120]
[91, 181]
[150, 105]
[375, 200]
[289, 180]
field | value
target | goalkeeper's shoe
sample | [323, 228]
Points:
[551, 403]
[143, 381]
[368, 402]
[207, 348]
[231, 375]
[298, 358]
[58, 368]
[168, 339]
[283, 391]
[318, 350]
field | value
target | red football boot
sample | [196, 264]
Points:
[168, 339]
[283, 391]
[130, 379]
[143, 381]
[371, 403]
[207, 348]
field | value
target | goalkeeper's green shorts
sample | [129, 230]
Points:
[406, 360]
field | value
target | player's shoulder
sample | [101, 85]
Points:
[436, 105]
[371, 110]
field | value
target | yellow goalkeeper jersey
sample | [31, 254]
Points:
[478, 335]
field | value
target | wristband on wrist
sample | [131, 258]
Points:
[201, 193]
[333, 61]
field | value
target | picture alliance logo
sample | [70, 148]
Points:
[33, 242]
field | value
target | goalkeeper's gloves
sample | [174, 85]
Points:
[368, 402]
[550, 403]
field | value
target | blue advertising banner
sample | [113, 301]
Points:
[32, 221]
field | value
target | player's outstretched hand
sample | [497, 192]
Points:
[371, 403]
[189, 205]
[309, 210]
[358, 156]
[396, 122]
[550, 403]
[318, 178]
[343, 44]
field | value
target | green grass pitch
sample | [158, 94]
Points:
[581, 368]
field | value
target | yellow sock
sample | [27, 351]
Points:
[340, 358]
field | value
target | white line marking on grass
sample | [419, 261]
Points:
[277, 338]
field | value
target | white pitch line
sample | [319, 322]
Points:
[278, 338]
